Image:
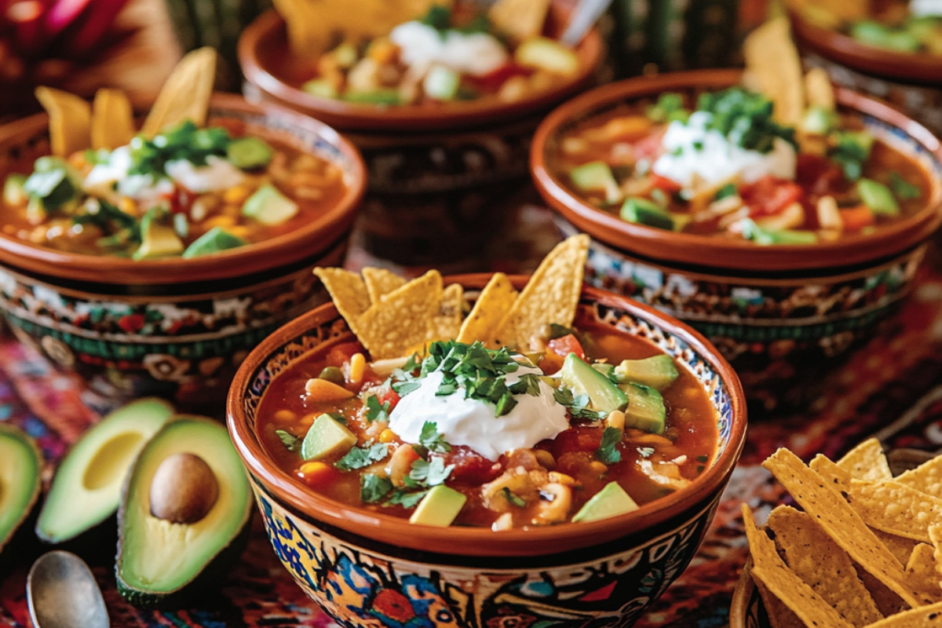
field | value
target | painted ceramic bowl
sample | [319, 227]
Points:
[747, 610]
[370, 569]
[439, 174]
[782, 315]
[173, 327]
[911, 81]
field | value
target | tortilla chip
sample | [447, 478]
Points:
[780, 616]
[888, 602]
[839, 521]
[836, 477]
[348, 293]
[400, 319]
[921, 571]
[924, 617]
[926, 478]
[70, 120]
[818, 89]
[551, 295]
[380, 281]
[446, 324]
[899, 546]
[112, 119]
[769, 569]
[866, 462]
[186, 93]
[521, 19]
[895, 508]
[495, 301]
[822, 565]
[774, 67]
[935, 536]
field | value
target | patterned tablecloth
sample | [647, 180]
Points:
[892, 388]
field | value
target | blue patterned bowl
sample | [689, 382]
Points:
[369, 569]
[174, 327]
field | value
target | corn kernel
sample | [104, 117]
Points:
[616, 419]
[240, 231]
[387, 436]
[219, 221]
[357, 366]
[310, 471]
[598, 467]
[236, 195]
[127, 205]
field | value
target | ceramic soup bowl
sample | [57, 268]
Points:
[782, 315]
[440, 174]
[173, 327]
[370, 569]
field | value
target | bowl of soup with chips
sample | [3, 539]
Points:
[150, 259]
[481, 449]
[783, 243]
[441, 98]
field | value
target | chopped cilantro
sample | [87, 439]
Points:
[289, 440]
[375, 411]
[430, 473]
[432, 440]
[505, 404]
[851, 151]
[513, 498]
[438, 17]
[360, 457]
[528, 383]
[406, 499]
[744, 118]
[724, 192]
[903, 189]
[607, 452]
[559, 331]
[577, 405]
[373, 487]
[403, 388]
[185, 141]
[669, 107]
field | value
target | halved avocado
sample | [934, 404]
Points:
[161, 563]
[20, 468]
[87, 486]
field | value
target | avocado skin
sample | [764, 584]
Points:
[21, 543]
[205, 584]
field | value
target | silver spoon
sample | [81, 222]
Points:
[62, 593]
[586, 13]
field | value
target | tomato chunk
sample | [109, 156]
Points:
[565, 345]
[470, 467]
[769, 195]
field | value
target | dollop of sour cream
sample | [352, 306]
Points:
[217, 174]
[695, 152]
[925, 8]
[472, 422]
[476, 54]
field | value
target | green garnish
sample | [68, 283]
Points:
[851, 152]
[645, 452]
[513, 498]
[669, 107]
[725, 192]
[577, 405]
[529, 384]
[432, 440]
[438, 17]
[373, 487]
[289, 440]
[559, 331]
[426, 474]
[406, 499]
[185, 141]
[903, 189]
[607, 452]
[744, 118]
[360, 457]
[375, 411]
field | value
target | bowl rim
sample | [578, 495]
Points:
[697, 250]
[403, 118]
[275, 252]
[891, 64]
[400, 533]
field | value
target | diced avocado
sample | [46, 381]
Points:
[375, 97]
[213, 241]
[604, 369]
[439, 507]
[876, 34]
[322, 88]
[646, 410]
[165, 560]
[818, 120]
[248, 153]
[326, 437]
[157, 239]
[269, 206]
[596, 176]
[541, 53]
[611, 501]
[86, 488]
[752, 231]
[441, 83]
[877, 197]
[14, 193]
[604, 396]
[20, 480]
[644, 212]
[658, 372]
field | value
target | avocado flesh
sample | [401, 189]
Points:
[604, 396]
[86, 489]
[20, 469]
[157, 558]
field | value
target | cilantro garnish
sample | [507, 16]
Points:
[375, 411]
[289, 440]
[726, 191]
[851, 152]
[607, 452]
[360, 457]
[903, 189]
[577, 405]
[559, 331]
[669, 107]
[513, 498]
[429, 473]
[185, 141]
[745, 118]
[528, 383]
[373, 487]
[432, 440]
[405, 498]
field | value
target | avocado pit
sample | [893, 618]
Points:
[183, 490]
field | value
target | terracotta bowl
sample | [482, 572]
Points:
[363, 567]
[782, 315]
[439, 174]
[172, 327]
[912, 82]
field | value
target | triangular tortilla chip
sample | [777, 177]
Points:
[399, 320]
[895, 508]
[186, 94]
[774, 68]
[927, 477]
[70, 120]
[521, 19]
[866, 461]
[493, 304]
[924, 617]
[446, 324]
[380, 281]
[348, 293]
[112, 119]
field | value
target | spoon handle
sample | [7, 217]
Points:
[586, 14]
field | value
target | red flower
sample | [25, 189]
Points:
[394, 605]
[131, 323]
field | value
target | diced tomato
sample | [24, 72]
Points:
[650, 147]
[342, 353]
[494, 79]
[318, 474]
[770, 195]
[579, 438]
[470, 468]
[551, 362]
[856, 218]
[389, 395]
[565, 345]
[818, 175]
[665, 184]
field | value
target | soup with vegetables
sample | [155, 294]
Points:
[722, 166]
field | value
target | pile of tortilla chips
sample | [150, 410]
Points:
[393, 318]
[75, 125]
[864, 550]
